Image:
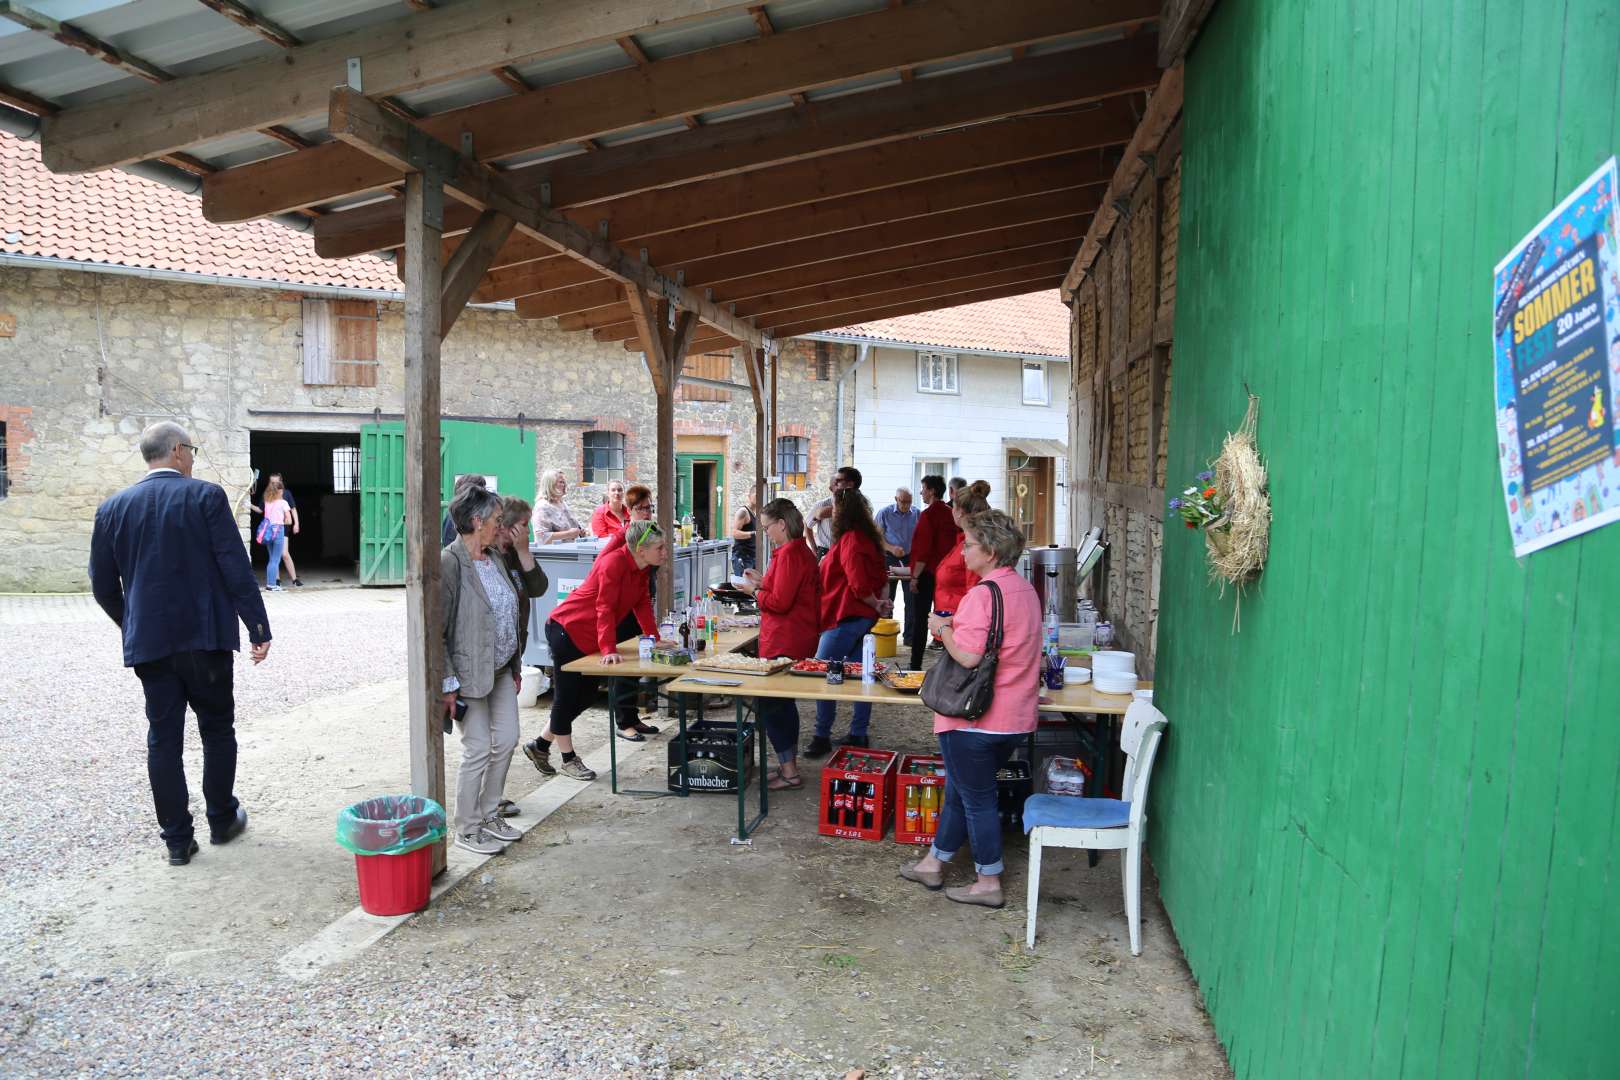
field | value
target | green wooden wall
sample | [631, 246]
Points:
[1385, 826]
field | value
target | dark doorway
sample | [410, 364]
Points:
[322, 471]
[703, 478]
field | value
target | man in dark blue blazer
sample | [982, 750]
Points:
[168, 566]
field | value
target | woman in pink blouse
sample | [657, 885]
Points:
[973, 751]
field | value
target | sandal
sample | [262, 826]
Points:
[630, 734]
[778, 782]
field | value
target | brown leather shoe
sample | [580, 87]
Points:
[931, 882]
[983, 899]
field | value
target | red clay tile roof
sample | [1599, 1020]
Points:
[113, 217]
[1035, 324]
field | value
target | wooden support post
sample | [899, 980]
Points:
[424, 621]
[664, 349]
[755, 360]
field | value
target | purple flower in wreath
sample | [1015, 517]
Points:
[1176, 504]
[1206, 476]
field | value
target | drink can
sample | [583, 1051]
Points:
[835, 672]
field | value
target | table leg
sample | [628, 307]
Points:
[678, 703]
[744, 728]
[613, 736]
[616, 691]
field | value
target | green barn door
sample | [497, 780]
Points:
[495, 450]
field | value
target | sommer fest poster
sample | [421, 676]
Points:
[1557, 331]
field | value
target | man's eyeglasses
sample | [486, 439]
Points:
[193, 447]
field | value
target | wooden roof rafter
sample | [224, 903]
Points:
[363, 124]
[748, 70]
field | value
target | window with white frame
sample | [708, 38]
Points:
[936, 373]
[1035, 392]
[345, 470]
[922, 467]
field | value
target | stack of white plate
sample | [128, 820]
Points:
[1114, 682]
[1112, 660]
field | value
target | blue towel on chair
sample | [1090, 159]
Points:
[1069, 812]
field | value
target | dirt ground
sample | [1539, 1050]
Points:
[804, 953]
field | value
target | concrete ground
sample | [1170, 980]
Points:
[621, 937]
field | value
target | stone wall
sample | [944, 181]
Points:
[97, 357]
[1124, 312]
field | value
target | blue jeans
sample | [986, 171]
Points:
[780, 719]
[843, 642]
[970, 811]
[277, 545]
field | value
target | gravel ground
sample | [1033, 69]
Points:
[515, 971]
[73, 757]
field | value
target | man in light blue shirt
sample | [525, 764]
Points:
[898, 523]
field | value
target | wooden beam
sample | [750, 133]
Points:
[1026, 277]
[468, 264]
[856, 284]
[1178, 25]
[465, 39]
[934, 156]
[74, 38]
[680, 85]
[664, 349]
[633, 50]
[1162, 112]
[360, 122]
[874, 251]
[424, 619]
[246, 17]
[510, 78]
[847, 123]
[933, 304]
[23, 101]
[1065, 233]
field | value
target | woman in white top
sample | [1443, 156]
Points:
[553, 522]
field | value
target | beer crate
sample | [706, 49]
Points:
[857, 793]
[1012, 791]
[708, 758]
[918, 829]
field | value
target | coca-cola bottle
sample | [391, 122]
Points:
[868, 805]
[835, 801]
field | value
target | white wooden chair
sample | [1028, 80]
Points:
[1102, 824]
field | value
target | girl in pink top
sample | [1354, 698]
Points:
[973, 751]
[273, 532]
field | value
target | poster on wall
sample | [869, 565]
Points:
[1557, 333]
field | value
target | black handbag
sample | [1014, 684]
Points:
[953, 690]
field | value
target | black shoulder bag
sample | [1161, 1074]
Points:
[953, 690]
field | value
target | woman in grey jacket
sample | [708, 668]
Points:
[483, 658]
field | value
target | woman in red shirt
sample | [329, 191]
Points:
[612, 516]
[637, 507]
[588, 622]
[789, 599]
[854, 583]
[952, 578]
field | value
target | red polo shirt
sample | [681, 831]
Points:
[604, 522]
[790, 603]
[935, 536]
[613, 589]
[852, 569]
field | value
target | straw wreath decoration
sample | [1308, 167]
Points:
[1231, 505]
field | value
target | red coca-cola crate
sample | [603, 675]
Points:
[857, 793]
[921, 830]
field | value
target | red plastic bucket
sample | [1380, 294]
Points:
[395, 884]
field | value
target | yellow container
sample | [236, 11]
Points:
[887, 632]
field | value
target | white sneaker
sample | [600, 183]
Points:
[479, 843]
[501, 831]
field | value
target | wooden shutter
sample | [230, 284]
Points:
[354, 354]
[707, 366]
[317, 342]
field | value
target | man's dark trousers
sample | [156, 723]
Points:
[918, 605]
[203, 680]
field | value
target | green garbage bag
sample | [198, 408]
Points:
[390, 825]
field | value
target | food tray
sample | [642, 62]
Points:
[731, 664]
[888, 676]
[848, 674]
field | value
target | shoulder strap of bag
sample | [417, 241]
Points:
[997, 619]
